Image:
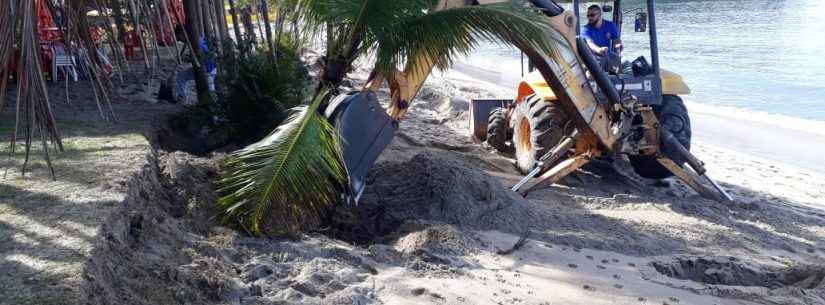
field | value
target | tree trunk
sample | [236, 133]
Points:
[119, 21]
[195, 33]
[259, 21]
[334, 71]
[247, 24]
[83, 31]
[265, 14]
[215, 30]
[208, 25]
[135, 12]
[235, 24]
[220, 14]
[342, 49]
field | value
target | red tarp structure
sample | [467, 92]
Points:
[48, 32]
[166, 31]
[46, 27]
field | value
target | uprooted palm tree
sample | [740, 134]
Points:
[286, 182]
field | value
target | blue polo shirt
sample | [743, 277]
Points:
[210, 63]
[601, 36]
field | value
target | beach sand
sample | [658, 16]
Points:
[437, 224]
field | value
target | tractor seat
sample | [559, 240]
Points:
[640, 67]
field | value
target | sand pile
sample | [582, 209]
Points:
[437, 186]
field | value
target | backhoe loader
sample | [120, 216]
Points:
[566, 113]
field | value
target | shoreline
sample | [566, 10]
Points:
[797, 143]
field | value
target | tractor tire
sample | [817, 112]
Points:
[673, 116]
[497, 130]
[538, 127]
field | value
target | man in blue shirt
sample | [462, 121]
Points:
[602, 36]
[188, 75]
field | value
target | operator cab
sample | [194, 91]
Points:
[639, 77]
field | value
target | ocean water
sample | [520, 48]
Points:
[766, 57]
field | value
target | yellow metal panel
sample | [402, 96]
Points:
[534, 83]
[673, 84]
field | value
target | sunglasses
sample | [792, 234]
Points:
[593, 15]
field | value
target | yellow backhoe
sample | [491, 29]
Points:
[567, 112]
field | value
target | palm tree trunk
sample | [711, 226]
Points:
[135, 10]
[217, 33]
[247, 24]
[259, 20]
[342, 46]
[119, 21]
[235, 24]
[220, 14]
[168, 19]
[195, 33]
[265, 14]
[83, 30]
[208, 25]
[114, 42]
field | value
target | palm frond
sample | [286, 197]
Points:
[288, 180]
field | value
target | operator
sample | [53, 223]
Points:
[599, 33]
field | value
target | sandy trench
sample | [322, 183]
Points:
[437, 221]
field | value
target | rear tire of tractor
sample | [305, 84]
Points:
[538, 127]
[673, 116]
[497, 132]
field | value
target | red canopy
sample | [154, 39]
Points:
[165, 32]
[46, 27]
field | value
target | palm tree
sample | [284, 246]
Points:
[276, 185]
[195, 31]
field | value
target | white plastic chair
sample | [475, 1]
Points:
[63, 61]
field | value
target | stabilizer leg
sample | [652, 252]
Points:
[548, 159]
[558, 172]
[692, 180]
[697, 166]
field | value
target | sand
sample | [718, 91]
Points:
[438, 225]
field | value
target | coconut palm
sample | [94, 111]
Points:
[277, 185]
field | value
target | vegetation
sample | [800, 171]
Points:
[252, 100]
[257, 97]
[272, 185]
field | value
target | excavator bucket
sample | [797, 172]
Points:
[365, 130]
[480, 113]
